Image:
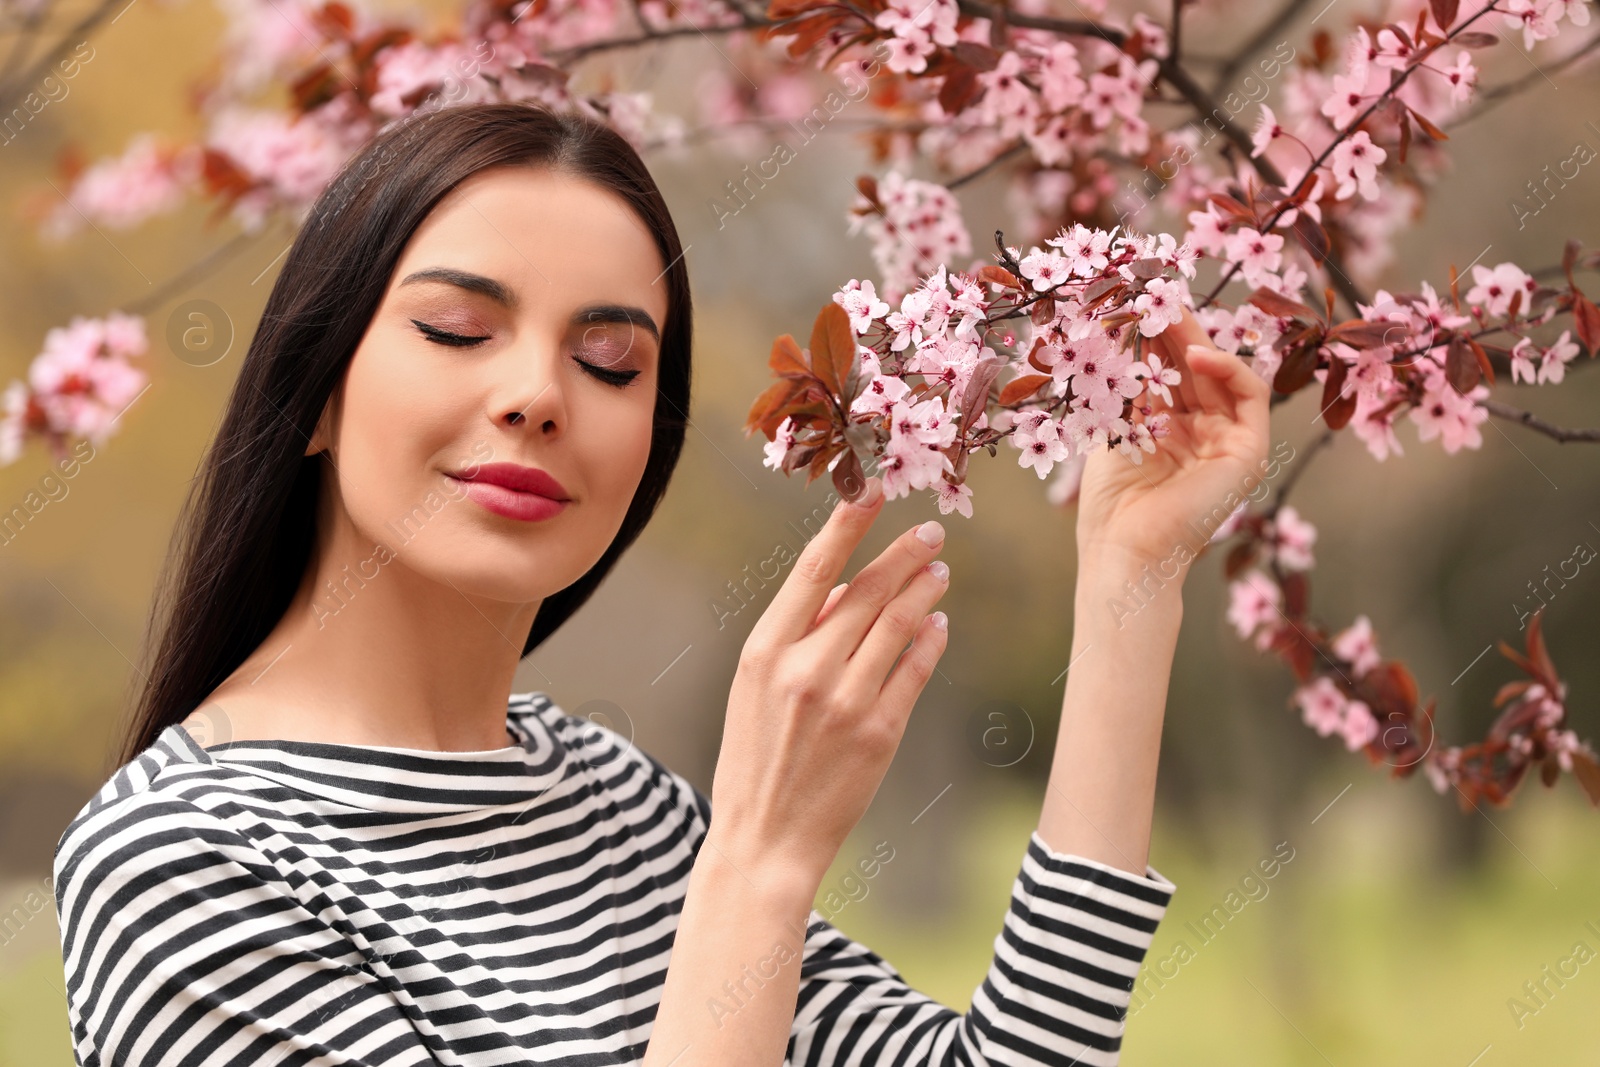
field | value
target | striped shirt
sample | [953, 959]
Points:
[291, 902]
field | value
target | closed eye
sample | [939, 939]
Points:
[612, 377]
[445, 337]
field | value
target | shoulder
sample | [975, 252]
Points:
[602, 743]
[154, 810]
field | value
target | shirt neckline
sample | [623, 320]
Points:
[394, 779]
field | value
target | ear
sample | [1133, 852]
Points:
[322, 435]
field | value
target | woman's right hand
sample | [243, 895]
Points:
[815, 714]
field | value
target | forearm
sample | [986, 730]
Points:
[734, 974]
[1101, 793]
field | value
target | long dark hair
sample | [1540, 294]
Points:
[245, 532]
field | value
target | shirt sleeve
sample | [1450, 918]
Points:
[1056, 992]
[183, 944]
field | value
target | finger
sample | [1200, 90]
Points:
[911, 674]
[833, 598]
[1247, 393]
[1171, 345]
[895, 625]
[872, 590]
[800, 598]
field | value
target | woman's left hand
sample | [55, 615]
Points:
[1216, 446]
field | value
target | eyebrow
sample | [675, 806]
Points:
[504, 296]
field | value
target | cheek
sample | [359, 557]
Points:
[396, 417]
[620, 447]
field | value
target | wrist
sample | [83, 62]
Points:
[775, 880]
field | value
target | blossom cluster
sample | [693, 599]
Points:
[922, 371]
[77, 386]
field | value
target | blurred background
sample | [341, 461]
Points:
[1401, 929]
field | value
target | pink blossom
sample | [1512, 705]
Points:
[1255, 253]
[1041, 441]
[1494, 287]
[121, 192]
[1453, 418]
[1522, 361]
[1375, 426]
[1159, 306]
[1267, 130]
[1345, 102]
[1293, 538]
[1462, 77]
[1321, 705]
[1356, 645]
[860, 299]
[1157, 377]
[1254, 602]
[1061, 84]
[1208, 230]
[953, 498]
[1355, 166]
[782, 441]
[1360, 727]
[1553, 365]
[1393, 52]
[13, 421]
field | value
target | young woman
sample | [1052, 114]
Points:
[337, 838]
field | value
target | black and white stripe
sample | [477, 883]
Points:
[263, 903]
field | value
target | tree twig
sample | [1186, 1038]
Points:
[1533, 422]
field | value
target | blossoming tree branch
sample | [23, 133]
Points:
[1051, 346]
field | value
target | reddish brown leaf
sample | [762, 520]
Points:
[1296, 370]
[1147, 269]
[1239, 557]
[1312, 235]
[1337, 409]
[1275, 303]
[1296, 594]
[848, 477]
[1587, 772]
[977, 394]
[1474, 39]
[1233, 207]
[787, 360]
[1549, 770]
[960, 88]
[1444, 12]
[1569, 259]
[1538, 653]
[1359, 333]
[995, 275]
[1429, 128]
[1461, 367]
[1484, 365]
[868, 185]
[833, 347]
[776, 396]
[1019, 389]
[1586, 317]
[1043, 311]
[977, 55]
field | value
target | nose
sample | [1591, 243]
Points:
[530, 392]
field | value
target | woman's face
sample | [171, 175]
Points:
[519, 330]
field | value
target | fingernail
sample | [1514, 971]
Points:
[940, 570]
[930, 533]
[940, 620]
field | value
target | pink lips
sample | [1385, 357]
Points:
[515, 491]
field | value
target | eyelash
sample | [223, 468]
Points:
[620, 378]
